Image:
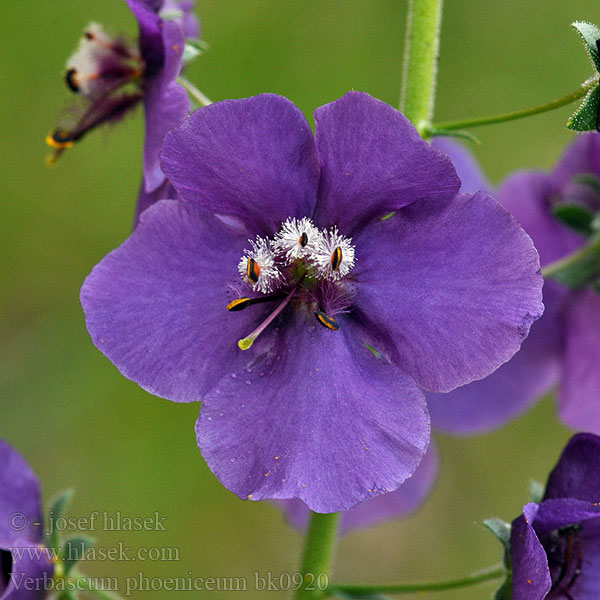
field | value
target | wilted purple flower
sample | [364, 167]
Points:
[112, 76]
[23, 561]
[555, 545]
[564, 344]
[289, 233]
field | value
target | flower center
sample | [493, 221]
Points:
[301, 264]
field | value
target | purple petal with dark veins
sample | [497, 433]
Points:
[320, 419]
[449, 290]
[156, 306]
[373, 162]
[253, 159]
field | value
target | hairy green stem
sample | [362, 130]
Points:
[520, 114]
[411, 588]
[319, 547]
[193, 91]
[421, 48]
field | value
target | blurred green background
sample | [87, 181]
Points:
[81, 424]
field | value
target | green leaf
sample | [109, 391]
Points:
[536, 491]
[74, 549]
[579, 268]
[595, 286]
[590, 35]
[585, 118]
[456, 133]
[58, 507]
[191, 51]
[588, 179]
[505, 591]
[501, 530]
[575, 216]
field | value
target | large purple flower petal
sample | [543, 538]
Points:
[580, 389]
[31, 571]
[253, 159]
[166, 103]
[19, 498]
[455, 285]
[321, 419]
[577, 473]
[394, 505]
[472, 178]
[156, 306]
[374, 161]
[490, 402]
[531, 576]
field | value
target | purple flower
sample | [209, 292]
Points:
[23, 561]
[564, 344]
[555, 545]
[289, 233]
[111, 77]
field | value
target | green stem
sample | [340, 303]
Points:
[421, 47]
[193, 91]
[411, 588]
[520, 114]
[319, 546]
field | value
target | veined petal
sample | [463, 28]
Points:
[321, 419]
[579, 396]
[455, 285]
[489, 403]
[19, 495]
[373, 162]
[557, 513]
[253, 159]
[531, 576]
[577, 473]
[166, 103]
[156, 306]
[394, 505]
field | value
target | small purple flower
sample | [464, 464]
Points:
[23, 559]
[564, 344]
[290, 234]
[555, 545]
[111, 77]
